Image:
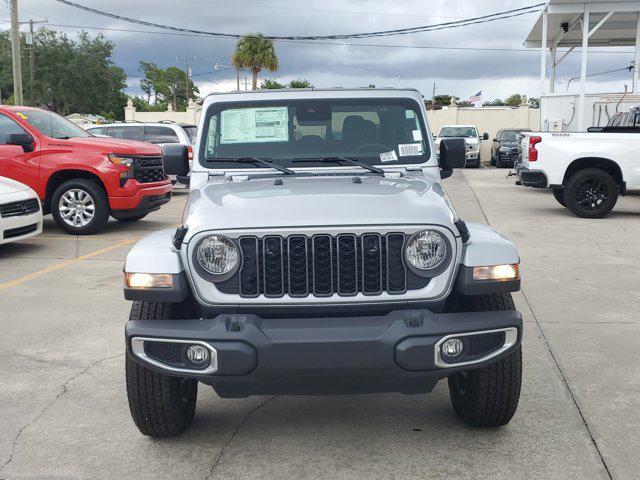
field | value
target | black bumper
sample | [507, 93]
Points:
[387, 353]
[533, 179]
[148, 204]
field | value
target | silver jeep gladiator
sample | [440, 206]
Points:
[317, 254]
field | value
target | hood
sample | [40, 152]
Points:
[304, 201]
[117, 145]
[11, 186]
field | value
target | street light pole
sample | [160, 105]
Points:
[15, 54]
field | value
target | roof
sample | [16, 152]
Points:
[298, 90]
[618, 30]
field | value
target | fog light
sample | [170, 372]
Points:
[198, 354]
[451, 347]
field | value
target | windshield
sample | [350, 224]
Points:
[458, 132]
[192, 133]
[509, 136]
[374, 131]
[52, 125]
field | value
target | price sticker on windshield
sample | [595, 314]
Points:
[388, 156]
[410, 149]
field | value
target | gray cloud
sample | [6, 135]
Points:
[461, 72]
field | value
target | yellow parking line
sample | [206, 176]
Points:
[58, 266]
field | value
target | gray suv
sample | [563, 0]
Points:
[318, 253]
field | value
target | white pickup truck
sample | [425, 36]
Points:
[585, 171]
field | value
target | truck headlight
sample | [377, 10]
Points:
[427, 252]
[218, 256]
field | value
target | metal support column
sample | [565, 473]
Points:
[583, 70]
[552, 74]
[543, 66]
[636, 61]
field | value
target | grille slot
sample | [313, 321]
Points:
[322, 265]
[20, 208]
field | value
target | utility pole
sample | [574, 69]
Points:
[433, 97]
[186, 78]
[15, 53]
[246, 83]
[32, 59]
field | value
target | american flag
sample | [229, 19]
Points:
[476, 99]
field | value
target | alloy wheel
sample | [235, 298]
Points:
[77, 208]
[592, 194]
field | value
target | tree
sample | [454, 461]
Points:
[255, 52]
[534, 102]
[270, 84]
[514, 100]
[70, 75]
[166, 86]
[443, 99]
[300, 83]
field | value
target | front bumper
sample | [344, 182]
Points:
[396, 352]
[147, 204]
[139, 192]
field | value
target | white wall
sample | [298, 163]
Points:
[191, 115]
[486, 119]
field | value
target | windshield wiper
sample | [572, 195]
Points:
[264, 162]
[352, 161]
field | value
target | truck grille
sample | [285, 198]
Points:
[20, 208]
[149, 169]
[322, 265]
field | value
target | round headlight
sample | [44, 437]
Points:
[427, 250]
[217, 255]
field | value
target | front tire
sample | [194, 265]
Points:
[558, 194]
[488, 396]
[80, 207]
[161, 405]
[591, 193]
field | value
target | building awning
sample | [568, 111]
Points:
[619, 29]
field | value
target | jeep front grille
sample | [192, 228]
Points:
[322, 265]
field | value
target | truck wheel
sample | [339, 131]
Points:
[488, 396]
[80, 207]
[132, 219]
[161, 405]
[591, 193]
[558, 194]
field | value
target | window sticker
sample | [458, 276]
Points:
[388, 156]
[410, 149]
[254, 125]
[417, 135]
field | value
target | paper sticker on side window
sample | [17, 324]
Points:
[254, 125]
[410, 149]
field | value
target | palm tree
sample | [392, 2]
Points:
[255, 52]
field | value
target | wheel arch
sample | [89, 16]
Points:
[601, 163]
[59, 177]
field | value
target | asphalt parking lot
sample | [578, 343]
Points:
[65, 415]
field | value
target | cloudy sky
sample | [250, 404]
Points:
[416, 60]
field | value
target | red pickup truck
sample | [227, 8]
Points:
[80, 178]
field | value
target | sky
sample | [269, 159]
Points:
[397, 60]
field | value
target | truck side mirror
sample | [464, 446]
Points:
[22, 139]
[485, 136]
[452, 155]
[175, 158]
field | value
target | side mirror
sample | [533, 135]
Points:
[175, 158]
[485, 136]
[453, 154]
[22, 139]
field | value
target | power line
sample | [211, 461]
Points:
[333, 43]
[401, 31]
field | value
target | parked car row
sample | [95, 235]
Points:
[473, 141]
[79, 178]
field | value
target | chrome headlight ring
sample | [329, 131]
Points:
[216, 258]
[430, 243]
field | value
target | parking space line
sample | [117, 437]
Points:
[58, 266]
